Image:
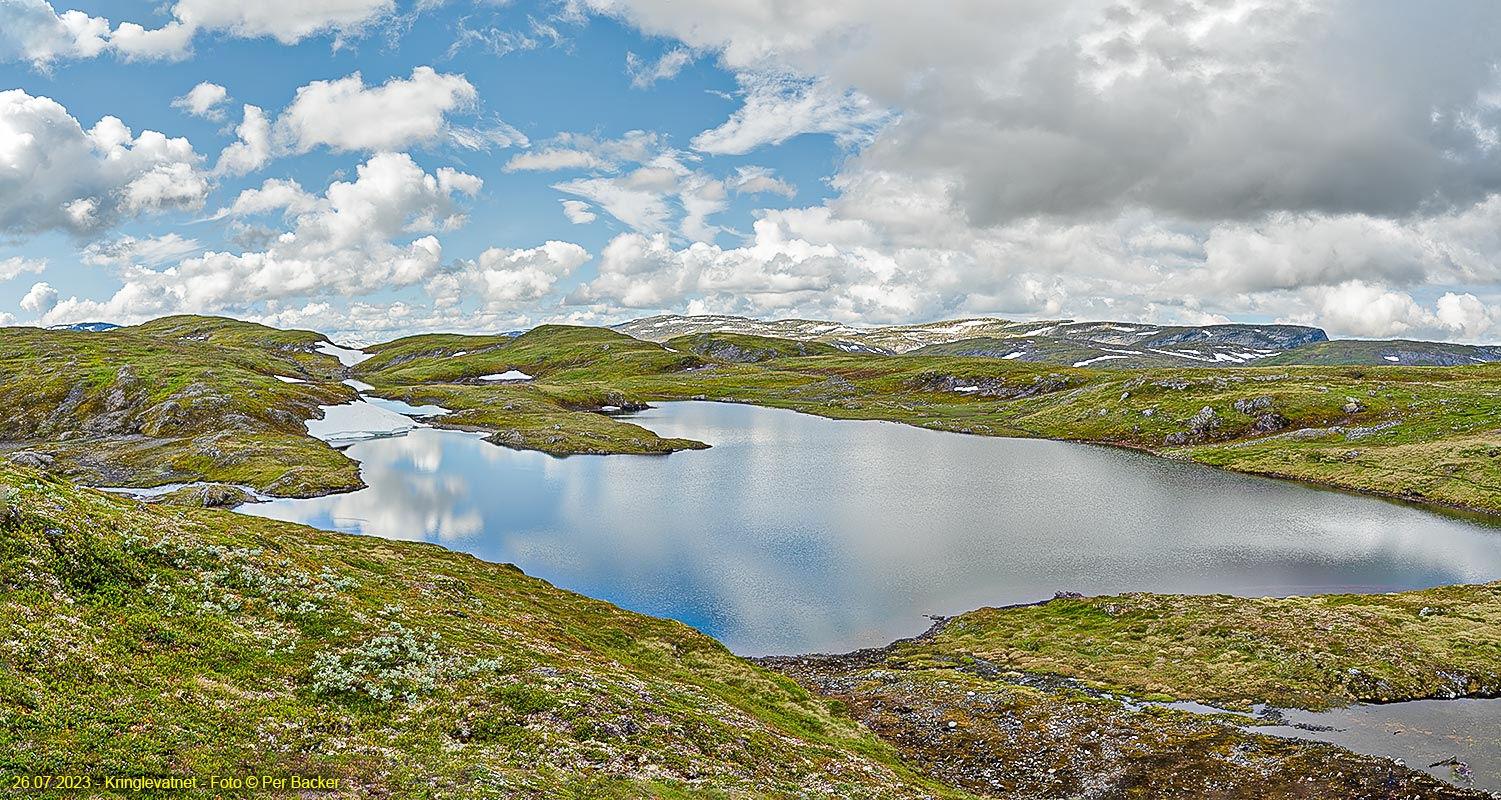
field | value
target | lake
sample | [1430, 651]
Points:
[798, 534]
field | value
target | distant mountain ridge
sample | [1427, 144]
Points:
[1102, 345]
[87, 327]
[1113, 344]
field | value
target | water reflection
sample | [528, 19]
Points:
[796, 534]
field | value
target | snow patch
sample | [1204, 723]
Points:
[346, 356]
[285, 379]
[966, 389]
[1086, 362]
[358, 386]
[357, 421]
[1393, 359]
[1014, 356]
[407, 409]
[508, 375]
[460, 353]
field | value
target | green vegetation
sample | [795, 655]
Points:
[177, 399]
[148, 641]
[194, 398]
[1305, 652]
[1351, 352]
[1019, 736]
[142, 640]
[742, 348]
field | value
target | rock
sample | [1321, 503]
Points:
[1251, 405]
[1353, 406]
[1203, 422]
[32, 459]
[1271, 422]
[210, 495]
[1175, 439]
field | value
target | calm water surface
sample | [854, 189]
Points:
[1455, 740]
[799, 534]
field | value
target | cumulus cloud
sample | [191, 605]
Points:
[15, 267]
[41, 299]
[345, 114]
[287, 21]
[500, 278]
[578, 212]
[361, 236]
[252, 150]
[1225, 109]
[204, 100]
[54, 175]
[33, 31]
[1172, 161]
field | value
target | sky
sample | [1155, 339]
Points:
[373, 168]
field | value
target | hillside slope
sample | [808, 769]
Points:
[141, 641]
[176, 399]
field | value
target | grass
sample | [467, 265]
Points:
[193, 398]
[177, 399]
[1304, 652]
[148, 641]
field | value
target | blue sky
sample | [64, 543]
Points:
[1175, 161]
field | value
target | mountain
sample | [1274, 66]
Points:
[1397, 352]
[86, 327]
[1066, 342]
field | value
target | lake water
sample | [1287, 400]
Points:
[1454, 740]
[798, 534]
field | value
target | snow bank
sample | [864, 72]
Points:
[346, 356]
[508, 375]
[357, 421]
[285, 379]
[1086, 362]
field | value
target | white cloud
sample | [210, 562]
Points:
[578, 212]
[644, 74]
[552, 159]
[54, 175]
[345, 115]
[173, 41]
[759, 180]
[32, 31]
[204, 100]
[40, 300]
[128, 250]
[288, 21]
[272, 195]
[363, 236]
[639, 199]
[500, 279]
[781, 105]
[16, 266]
[253, 148]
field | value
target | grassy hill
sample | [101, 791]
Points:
[142, 641]
[743, 348]
[1351, 352]
[177, 399]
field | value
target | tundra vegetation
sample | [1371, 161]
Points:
[143, 639]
